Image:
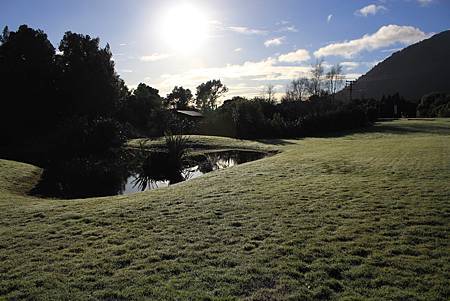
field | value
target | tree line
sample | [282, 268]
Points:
[67, 102]
[436, 104]
[70, 100]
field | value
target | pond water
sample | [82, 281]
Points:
[137, 182]
[132, 172]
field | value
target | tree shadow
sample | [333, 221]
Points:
[387, 127]
[427, 128]
[275, 141]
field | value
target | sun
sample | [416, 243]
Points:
[184, 28]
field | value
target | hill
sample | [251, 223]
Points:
[413, 72]
[357, 217]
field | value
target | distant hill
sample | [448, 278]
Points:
[413, 72]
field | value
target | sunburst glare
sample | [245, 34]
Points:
[184, 28]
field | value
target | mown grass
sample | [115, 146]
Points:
[210, 143]
[361, 216]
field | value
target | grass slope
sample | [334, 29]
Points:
[362, 216]
[210, 143]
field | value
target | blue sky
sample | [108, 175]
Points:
[246, 43]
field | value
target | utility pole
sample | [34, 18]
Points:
[349, 84]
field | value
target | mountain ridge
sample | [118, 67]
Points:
[412, 72]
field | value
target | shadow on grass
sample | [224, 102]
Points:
[275, 141]
[388, 127]
[408, 128]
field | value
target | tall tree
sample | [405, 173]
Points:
[141, 106]
[146, 92]
[89, 84]
[208, 93]
[297, 89]
[5, 35]
[179, 98]
[334, 79]
[268, 93]
[27, 71]
[317, 72]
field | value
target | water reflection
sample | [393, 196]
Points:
[131, 173]
[158, 172]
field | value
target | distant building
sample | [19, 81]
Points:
[187, 120]
[190, 114]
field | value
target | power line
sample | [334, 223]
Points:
[349, 84]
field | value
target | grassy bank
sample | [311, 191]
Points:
[360, 216]
[206, 143]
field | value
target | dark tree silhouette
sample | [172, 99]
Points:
[57, 105]
[208, 93]
[179, 98]
[27, 85]
[143, 110]
[146, 92]
[259, 118]
[89, 84]
[297, 90]
[436, 104]
[5, 35]
[315, 82]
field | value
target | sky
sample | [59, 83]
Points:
[247, 44]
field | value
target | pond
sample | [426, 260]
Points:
[141, 181]
[133, 172]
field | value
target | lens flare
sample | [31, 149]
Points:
[184, 28]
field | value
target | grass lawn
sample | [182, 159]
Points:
[211, 143]
[359, 216]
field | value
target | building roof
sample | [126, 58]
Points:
[190, 113]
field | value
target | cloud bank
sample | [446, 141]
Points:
[371, 9]
[154, 57]
[247, 30]
[274, 42]
[386, 36]
[300, 55]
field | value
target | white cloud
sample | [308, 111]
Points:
[350, 65]
[247, 79]
[392, 49]
[300, 55]
[250, 91]
[274, 42]
[386, 36]
[123, 44]
[371, 9]
[154, 57]
[237, 49]
[244, 90]
[372, 64]
[126, 71]
[265, 70]
[353, 65]
[290, 28]
[215, 22]
[246, 30]
[352, 76]
[425, 2]
[132, 86]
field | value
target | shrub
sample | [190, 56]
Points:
[82, 137]
[434, 105]
[162, 166]
[252, 119]
[86, 176]
[177, 146]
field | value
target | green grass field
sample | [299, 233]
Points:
[359, 216]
